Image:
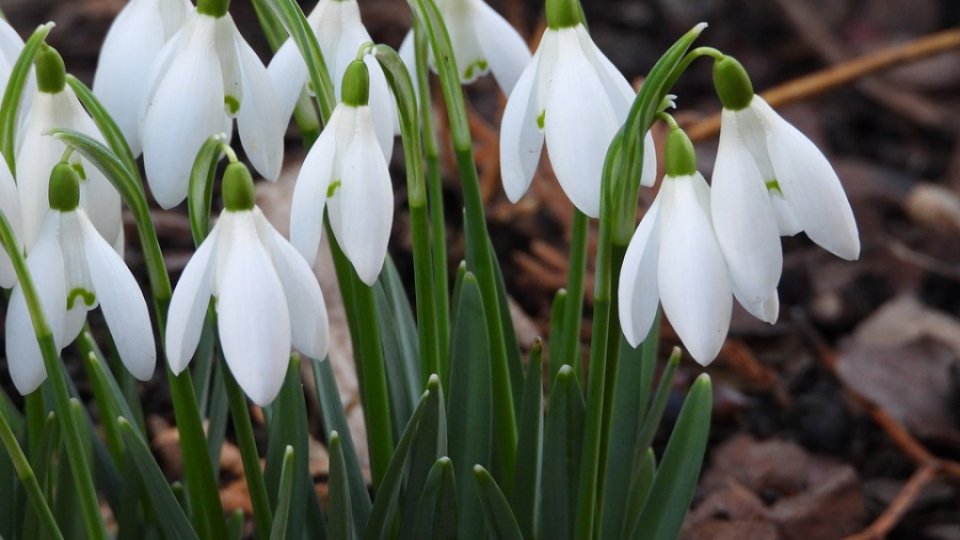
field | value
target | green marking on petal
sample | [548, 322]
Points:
[88, 297]
[332, 189]
[774, 186]
[471, 70]
[232, 104]
[541, 120]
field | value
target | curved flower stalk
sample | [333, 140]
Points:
[340, 33]
[674, 259]
[267, 298]
[204, 77]
[572, 98]
[770, 180]
[340, 174]
[483, 42]
[76, 270]
[133, 42]
[56, 106]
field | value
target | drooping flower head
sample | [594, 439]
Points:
[674, 259]
[74, 271]
[267, 297]
[134, 41]
[341, 33]
[574, 99]
[483, 42]
[205, 76]
[346, 173]
[56, 106]
[770, 180]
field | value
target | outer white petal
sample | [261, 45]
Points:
[505, 51]
[10, 206]
[156, 73]
[786, 221]
[361, 209]
[186, 108]
[812, 188]
[469, 54]
[121, 301]
[188, 307]
[46, 266]
[134, 40]
[638, 291]
[37, 155]
[694, 285]
[648, 174]
[618, 89]
[253, 318]
[288, 73]
[579, 124]
[228, 52]
[521, 138]
[260, 121]
[310, 327]
[310, 192]
[743, 218]
[382, 106]
[767, 309]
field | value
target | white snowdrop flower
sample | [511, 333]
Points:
[56, 106]
[340, 174]
[674, 259]
[11, 44]
[74, 270]
[574, 99]
[134, 41]
[205, 76]
[770, 180]
[341, 33]
[10, 206]
[267, 297]
[483, 42]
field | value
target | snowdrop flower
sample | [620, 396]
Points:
[341, 173]
[573, 98]
[205, 76]
[10, 206]
[674, 259]
[267, 298]
[56, 106]
[134, 41]
[483, 42]
[75, 270]
[10, 46]
[770, 180]
[340, 33]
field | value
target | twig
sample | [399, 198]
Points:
[899, 506]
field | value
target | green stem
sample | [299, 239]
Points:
[573, 305]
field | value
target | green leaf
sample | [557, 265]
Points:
[470, 403]
[172, 520]
[500, 519]
[217, 416]
[13, 94]
[562, 443]
[282, 518]
[235, 525]
[108, 128]
[651, 421]
[429, 445]
[436, 516]
[395, 359]
[405, 326]
[288, 427]
[339, 521]
[334, 419]
[641, 480]
[202, 176]
[556, 353]
[525, 498]
[676, 479]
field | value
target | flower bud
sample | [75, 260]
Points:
[732, 84]
[564, 14]
[356, 84]
[64, 190]
[237, 188]
[51, 72]
[681, 158]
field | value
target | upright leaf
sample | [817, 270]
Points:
[285, 504]
[430, 444]
[500, 519]
[562, 443]
[339, 521]
[525, 497]
[288, 427]
[436, 516]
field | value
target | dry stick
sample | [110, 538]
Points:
[841, 74]
[899, 505]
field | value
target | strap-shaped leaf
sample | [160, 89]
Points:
[288, 427]
[429, 445]
[108, 128]
[641, 480]
[339, 521]
[281, 523]
[525, 496]
[436, 516]
[651, 421]
[556, 351]
[13, 94]
[563, 434]
[395, 358]
[500, 519]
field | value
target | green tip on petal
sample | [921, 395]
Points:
[732, 83]
[680, 156]
[237, 188]
[356, 84]
[51, 71]
[64, 190]
[213, 8]
[564, 14]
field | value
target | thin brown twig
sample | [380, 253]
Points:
[841, 74]
[899, 506]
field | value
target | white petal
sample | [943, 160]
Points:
[471, 60]
[133, 42]
[188, 307]
[648, 173]
[340, 32]
[288, 73]
[185, 110]
[37, 155]
[743, 217]
[812, 189]
[122, 303]
[10, 206]
[260, 122]
[521, 137]
[308, 315]
[253, 318]
[638, 290]
[227, 38]
[158, 70]
[310, 192]
[694, 286]
[786, 222]
[617, 87]
[361, 209]
[382, 106]
[81, 295]
[579, 124]
[505, 51]
[766, 309]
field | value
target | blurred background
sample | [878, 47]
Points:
[844, 418]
